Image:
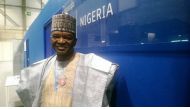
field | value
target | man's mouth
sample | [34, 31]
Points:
[61, 48]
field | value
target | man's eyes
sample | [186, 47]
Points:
[65, 36]
[56, 36]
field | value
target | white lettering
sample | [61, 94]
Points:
[82, 21]
[109, 9]
[89, 18]
[103, 9]
[93, 16]
[98, 14]
[85, 19]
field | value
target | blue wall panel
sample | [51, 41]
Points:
[49, 51]
[151, 79]
[149, 40]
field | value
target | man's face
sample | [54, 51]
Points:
[63, 42]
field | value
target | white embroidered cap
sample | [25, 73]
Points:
[63, 22]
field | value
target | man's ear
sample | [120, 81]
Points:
[75, 41]
[50, 40]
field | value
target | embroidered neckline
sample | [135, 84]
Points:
[59, 77]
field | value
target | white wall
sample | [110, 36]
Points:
[11, 62]
[6, 67]
[6, 70]
[14, 14]
[30, 19]
[6, 51]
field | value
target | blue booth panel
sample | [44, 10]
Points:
[47, 37]
[148, 39]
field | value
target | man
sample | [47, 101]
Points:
[68, 78]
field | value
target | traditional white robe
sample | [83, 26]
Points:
[92, 77]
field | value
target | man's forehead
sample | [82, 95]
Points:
[60, 32]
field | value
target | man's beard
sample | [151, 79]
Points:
[65, 53]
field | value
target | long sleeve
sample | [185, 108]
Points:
[29, 83]
[110, 86]
[93, 77]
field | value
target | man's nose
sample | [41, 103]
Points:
[61, 40]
